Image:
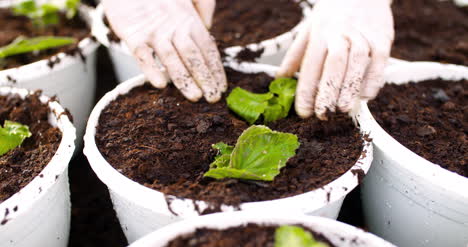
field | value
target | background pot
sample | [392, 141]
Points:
[126, 67]
[42, 217]
[72, 79]
[141, 210]
[338, 233]
[407, 199]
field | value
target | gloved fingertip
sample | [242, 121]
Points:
[193, 96]
[322, 116]
[158, 83]
[303, 112]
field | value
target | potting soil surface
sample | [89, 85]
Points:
[430, 30]
[161, 140]
[15, 26]
[244, 22]
[429, 118]
[22, 164]
[250, 235]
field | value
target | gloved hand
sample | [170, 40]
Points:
[173, 33]
[341, 53]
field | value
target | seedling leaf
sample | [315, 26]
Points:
[41, 16]
[273, 105]
[12, 134]
[248, 105]
[295, 236]
[22, 45]
[72, 8]
[259, 154]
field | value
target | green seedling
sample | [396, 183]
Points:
[259, 154]
[273, 105]
[295, 236]
[12, 135]
[23, 45]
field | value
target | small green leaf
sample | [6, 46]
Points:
[294, 236]
[222, 159]
[12, 135]
[41, 16]
[72, 8]
[259, 154]
[22, 45]
[248, 105]
[25, 8]
[223, 148]
[47, 15]
[273, 105]
[285, 89]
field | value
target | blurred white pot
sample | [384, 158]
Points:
[42, 215]
[72, 79]
[336, 232]
[142, 210]
[126, 67]
[407, 199]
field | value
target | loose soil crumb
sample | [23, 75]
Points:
[429, 118]
[250, 235]
[15, 26]
[161, 140]
[22, 164]
[430, 30]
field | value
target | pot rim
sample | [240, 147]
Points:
[144, 196]
[420, 167]
[25, 199]
[40, 68]
[333, 230]
[100, 31]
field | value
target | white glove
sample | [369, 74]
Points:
[174, 31]
[341, 53]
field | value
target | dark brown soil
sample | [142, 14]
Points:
[244, 22]
[161, 140]
[430, 30]
[15, 26]
[430, 118]
[250, 235]
[239, 23]
[22, 164]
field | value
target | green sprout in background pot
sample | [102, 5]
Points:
[259, 154]
[46, 14]
[295, 236]
[23, 45]
[273, 105]
[12, 135]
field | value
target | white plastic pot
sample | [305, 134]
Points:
[126, 67]
[336, 232]
[142, 210]
[72, 79]
[407, 199]
[42, 215]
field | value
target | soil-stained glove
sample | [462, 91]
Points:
[341, 54]
[173, 34]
